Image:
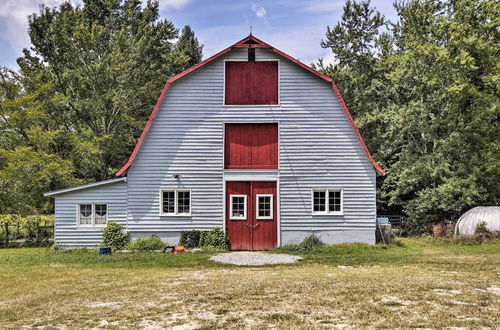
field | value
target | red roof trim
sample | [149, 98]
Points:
[145, 130]
[356, 130]
[241, 44]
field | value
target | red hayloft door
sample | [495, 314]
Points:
[251, 219]
[251, 146]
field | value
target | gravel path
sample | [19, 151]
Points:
[254, 258]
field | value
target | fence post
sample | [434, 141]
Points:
[6, 234]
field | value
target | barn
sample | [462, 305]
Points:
[251, 140]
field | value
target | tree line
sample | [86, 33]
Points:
[424, 91]
[85, 88]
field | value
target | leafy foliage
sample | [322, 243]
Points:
[114, 237]
[30, 230]
[424, 92]
[311, 242]
[482, 228]
[147, 244]
[190, 238]
[215, 238]
[84, 91]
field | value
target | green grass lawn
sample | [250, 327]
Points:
[418, 284]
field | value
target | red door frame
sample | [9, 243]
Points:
[267, 230]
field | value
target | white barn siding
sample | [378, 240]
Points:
[318, 148]
[67, 233]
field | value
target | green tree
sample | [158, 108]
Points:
[355, 41]
[360, 47]
[443, 131]
[189, 46]
[97, 71]
[425, 94]
[84, 91]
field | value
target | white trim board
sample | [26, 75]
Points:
[85, 186]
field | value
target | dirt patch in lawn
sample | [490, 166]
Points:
[255, 258]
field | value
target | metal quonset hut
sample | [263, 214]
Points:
[251, 140]
[467, 223]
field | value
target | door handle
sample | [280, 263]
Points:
[252, 226]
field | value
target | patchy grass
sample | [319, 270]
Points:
[412, 284]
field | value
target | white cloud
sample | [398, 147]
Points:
[259, 10]
[329, 58]
[174, 4]
[323, 6]
[14, 20]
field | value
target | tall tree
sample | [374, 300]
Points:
[189, 46]
[360, 45]
[27, 167]
[426, 96]
[444, 119]
[354, 42]
[84, 91]
[104, 64]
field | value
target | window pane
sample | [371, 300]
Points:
[319, 200]
[101, 211]
[238, 206]
[86, 214]
[264, 206]
[334, 201]
[168, 202]
[183, 201]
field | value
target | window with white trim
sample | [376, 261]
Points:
[92, 214]
[327, 201]
[238, 207]
[264, 206]
[175, 202]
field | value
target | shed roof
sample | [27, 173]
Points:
[248, 42]
[85, 186]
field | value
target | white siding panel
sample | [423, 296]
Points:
[67, 233]
[318, 148]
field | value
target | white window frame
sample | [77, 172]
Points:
[269, 217]
[327, 201]
[93, 215]
[176, 200]
[245, 207]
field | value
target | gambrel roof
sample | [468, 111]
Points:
[248, 42]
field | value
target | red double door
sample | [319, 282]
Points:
[251, 215]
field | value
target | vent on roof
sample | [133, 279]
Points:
[251, 54]
[250, 42]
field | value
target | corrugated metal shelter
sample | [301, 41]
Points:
[212, 143]
[468, 222]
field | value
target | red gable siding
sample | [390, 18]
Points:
[251, 83]
[251, 146]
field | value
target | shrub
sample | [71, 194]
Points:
[481, 228]
[147, 244]
[215, 238]
[310, 243]
[113, 236]
[190, 238]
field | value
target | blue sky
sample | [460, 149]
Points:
[296, 27]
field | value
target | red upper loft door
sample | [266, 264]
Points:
[251, 146]
[251, 83]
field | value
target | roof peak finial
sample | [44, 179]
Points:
[251, 24]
